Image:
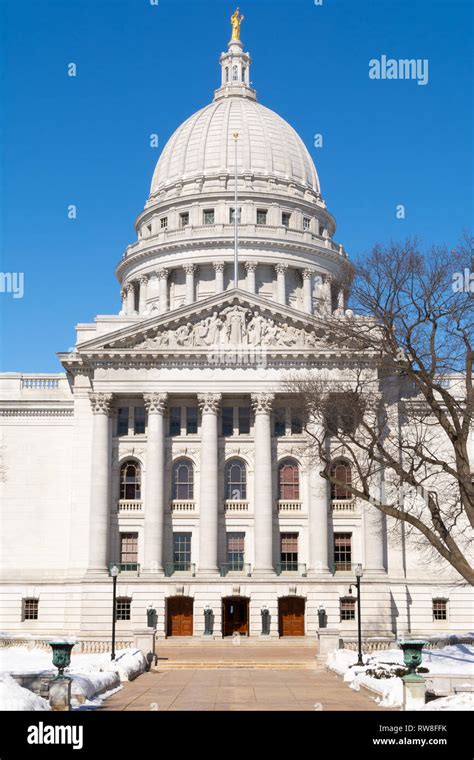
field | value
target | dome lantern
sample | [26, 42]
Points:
[235, 66]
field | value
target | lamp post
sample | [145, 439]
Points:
[114, 571]
[358, 573]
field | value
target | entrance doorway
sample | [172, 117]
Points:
[179, 616]
[235, 616]
[291, 616]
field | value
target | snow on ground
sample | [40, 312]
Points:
[94, 676]
[15, 697]
[456, 659]
[454, 702]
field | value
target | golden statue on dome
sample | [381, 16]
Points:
[236, 22]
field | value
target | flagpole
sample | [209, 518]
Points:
[236, 220]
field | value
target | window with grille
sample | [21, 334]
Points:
[342, 472]
[130, 481]
[232, 215]
[235, 480]
[184, 219]
[285, 219]
[261, 216]
[30, 609]
[347, 608]
[288, 481]
[175, 420]
[227, 421]
[139, 420]
[183, 480]
[129, 549]
[289, 551]
[343, 551]
[306, 223]
[123, 608]
[122, 420]
[191, 420]
[440, 609]
[182, 551]
[279, 422]
[164, 222]
[244, 420]
[208, 216]
[235, 550]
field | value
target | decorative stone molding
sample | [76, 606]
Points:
[219, 266]
[189, 268]
[307, 274]
[262, 402]
[30, 412]
[101, 403]
[209, 403]
[251, 266]
[143, 279]
[130, 287]
[155, 403]
[162, 274]
[281, 268]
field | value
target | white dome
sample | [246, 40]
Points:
[203, 146]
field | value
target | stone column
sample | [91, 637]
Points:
[123, 308]
[100, 482]
[130, 288]
[307, 290]
[209, 404]
[263, 501]
[374, 530]
[340, 299]
[318, 521]
[326, 294]
[251, 267]
[281, 284]
[189, 269]
[219, 270]
[163, 278]
[143, 294]
[155, 404]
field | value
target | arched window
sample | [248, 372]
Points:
[244, 72]
[226, 73]
[183, 480]
[341, 471]
[130, 481]
[235, 73]
[235, 480]
[288, 481]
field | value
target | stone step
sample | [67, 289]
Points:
[244, 665]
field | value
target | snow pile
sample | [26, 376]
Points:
[92, 674]
[455, 659]
[14, 697]
[454, 702]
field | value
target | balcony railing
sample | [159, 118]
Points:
[296, 568]
[40, 383]
[183, 505]
[343, 505]
[285, 505]
[188, 568]
[240, 568]
[233, 505]
[130, 505]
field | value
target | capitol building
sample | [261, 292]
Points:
[170, 445]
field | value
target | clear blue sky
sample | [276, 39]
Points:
[144, 69]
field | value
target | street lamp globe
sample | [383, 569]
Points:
[358, 571]
[114, 571]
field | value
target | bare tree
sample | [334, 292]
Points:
[402, 410]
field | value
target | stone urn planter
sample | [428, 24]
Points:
[62, 655]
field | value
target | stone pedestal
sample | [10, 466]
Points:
[60, 694]
[145, 641]
[414, 691]
[328, 641]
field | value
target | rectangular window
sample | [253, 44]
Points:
[184, 219]
[122, 421]
[347, 608]
[244, 420]
[175, 420]
[164, 222]
[440, 609]
[306, 223]
[343, 551]
[296, 424]
[30, 609]
[129, 550]
[235, 551]
[182, 551]
[232, 215]
[123, 607]
[261, 216]
[139, 420]
[279, 427]
[208, 216]
[191, 420]
[285, 219]
[227, 420]
[289, 551]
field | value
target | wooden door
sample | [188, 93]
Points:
[180, 616]
[291, 616]
[236, 616]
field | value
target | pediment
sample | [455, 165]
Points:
[230, 319]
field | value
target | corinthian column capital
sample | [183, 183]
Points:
[155, 402]
[262, 402]
[209, 403]
[101, 403]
